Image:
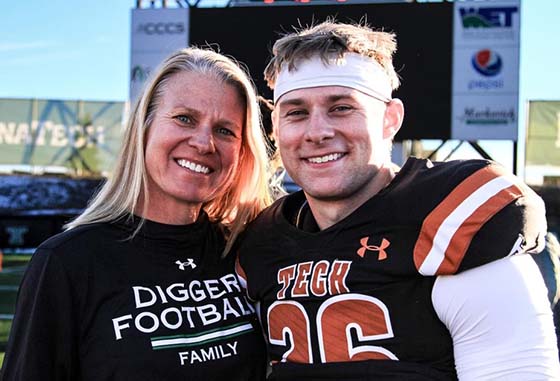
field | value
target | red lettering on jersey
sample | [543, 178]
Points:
[322, 274]
[319, 278]
[337, 277]
[338, 319]
[285, 277]
[301, 286]
[289, 327]
[367, 315]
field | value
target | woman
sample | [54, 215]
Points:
[139, 288]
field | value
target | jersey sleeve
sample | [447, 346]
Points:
[242, 277]
[500, 321]
[489, 215]
[42, 343]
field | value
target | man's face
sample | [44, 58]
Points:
[333, 140]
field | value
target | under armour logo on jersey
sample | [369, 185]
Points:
[189, 262]
[381, 248]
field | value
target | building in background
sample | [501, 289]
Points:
[542, 156]
[78, 138]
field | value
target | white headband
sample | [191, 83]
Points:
[353, 70]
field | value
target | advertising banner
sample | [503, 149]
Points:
[543, 134]
[485, 91]
[155, 33]
[82, 136]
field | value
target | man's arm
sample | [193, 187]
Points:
[500, 321]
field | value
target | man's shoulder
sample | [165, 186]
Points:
[445, 174]
[465, 183]
[277, 215]
[473, 212]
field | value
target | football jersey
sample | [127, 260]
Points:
[332, 301]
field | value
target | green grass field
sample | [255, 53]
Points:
[13, 267]
[5, 326]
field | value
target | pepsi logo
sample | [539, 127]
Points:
[487, 62]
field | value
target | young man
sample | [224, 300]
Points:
[350, 273]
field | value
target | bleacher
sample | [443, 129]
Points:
[32, 208]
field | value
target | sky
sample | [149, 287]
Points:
[80, 50]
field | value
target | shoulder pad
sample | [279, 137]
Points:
[489, 215]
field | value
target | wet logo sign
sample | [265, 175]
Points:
[492, 17]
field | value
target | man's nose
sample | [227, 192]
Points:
[319, 128]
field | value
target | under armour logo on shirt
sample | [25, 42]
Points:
[189, 262]
[382, 254]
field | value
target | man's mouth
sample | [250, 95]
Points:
[325, 158]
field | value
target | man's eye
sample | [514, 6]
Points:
[341, 108]
[296, 113]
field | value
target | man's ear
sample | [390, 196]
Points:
[394, 115]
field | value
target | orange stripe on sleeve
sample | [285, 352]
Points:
[463, 237]
[454, 250]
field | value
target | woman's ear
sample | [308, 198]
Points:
[394, 115]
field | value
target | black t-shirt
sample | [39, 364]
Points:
[354, 301]
[95, 304]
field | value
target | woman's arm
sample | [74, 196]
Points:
[43, 337]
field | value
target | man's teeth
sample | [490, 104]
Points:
[324, 159]
[193, 167]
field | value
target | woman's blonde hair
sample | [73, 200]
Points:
[248, 193]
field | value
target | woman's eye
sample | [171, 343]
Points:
[226, 131]
[184, 119]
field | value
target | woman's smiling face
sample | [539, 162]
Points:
[193, 143]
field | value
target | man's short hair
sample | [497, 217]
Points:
[330, 39]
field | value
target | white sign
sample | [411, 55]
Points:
[155, 34]
[485, 70]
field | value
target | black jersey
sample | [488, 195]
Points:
[95, 304]
[358, 291]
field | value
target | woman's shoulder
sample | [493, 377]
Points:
[80, 235]
[75, 250]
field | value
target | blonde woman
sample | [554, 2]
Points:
[140, 286]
